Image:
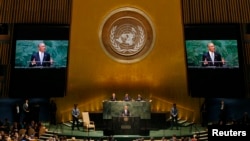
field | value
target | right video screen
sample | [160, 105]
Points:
[212, 53]
[214, 60]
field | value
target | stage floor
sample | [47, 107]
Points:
[98, 134]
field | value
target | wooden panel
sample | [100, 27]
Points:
[35, 11]
[215, 11]
[4, 62]
[247, 52]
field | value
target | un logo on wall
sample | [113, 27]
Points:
[127, 35]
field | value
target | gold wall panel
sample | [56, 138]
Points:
[160, 76]
[215, 11]
[35, 11]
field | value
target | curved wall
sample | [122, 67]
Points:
[160, 76]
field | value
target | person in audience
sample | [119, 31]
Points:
[41, 58]
[32, 124]
[127, 97]
[174, 116]
[187, 139]
[14, 136]
[6, 126]
[113, 97]
[194, 138]
[139, 97]
[181, 139]
[212, 58]
[125, 111]
[75, 116]
[163, 139]
[15, 128]
[173, 138]
[39, 129]
[152, 139]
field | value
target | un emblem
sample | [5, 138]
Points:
[127, 35]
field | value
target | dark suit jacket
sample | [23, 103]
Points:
[127, 99]
[217, 59]
[113, 99]
[45, 61]
[26, 108]
[125, 114]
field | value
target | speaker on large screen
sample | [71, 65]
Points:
[39, 60]
[214, 60]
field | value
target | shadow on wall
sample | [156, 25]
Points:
[39, 105]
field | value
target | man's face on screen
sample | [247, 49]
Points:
[211, 47]
[42, 47]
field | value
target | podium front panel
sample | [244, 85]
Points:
[140, 109]
[126, 125]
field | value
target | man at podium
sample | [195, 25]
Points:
[41, 58]
[212, 58]
[125, 111]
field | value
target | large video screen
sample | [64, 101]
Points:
[214, 60]
[27, 53]
[198, 53]
[39, 60]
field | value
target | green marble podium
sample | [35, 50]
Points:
[140, 109]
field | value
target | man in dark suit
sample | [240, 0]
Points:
[139, 98]
[212, 58]
[174, 116]
[41, 58]
[75, 115]
[26, 111]
[125, 111]
[126, 97]
[113, 97]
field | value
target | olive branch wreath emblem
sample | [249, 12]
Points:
[136, 47]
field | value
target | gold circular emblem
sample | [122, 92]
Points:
[127, 35]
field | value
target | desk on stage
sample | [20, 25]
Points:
[126, 125]
[134, 125]
[140, 109]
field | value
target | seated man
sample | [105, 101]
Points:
[113, 97]
[139, 98]
[126, 97]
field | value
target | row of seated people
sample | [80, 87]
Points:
[126, 97]
[22, 131]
